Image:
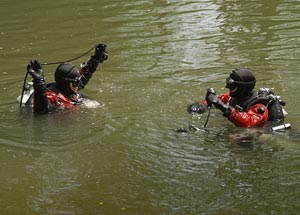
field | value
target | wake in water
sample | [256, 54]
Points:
[90, 104]
[27, 99]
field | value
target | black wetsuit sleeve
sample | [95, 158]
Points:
[87, 71]
[41, 104]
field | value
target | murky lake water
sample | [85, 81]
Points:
[124, 156]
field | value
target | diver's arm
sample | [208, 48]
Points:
[202, 106]
[90, 67]
[36, 71]
[255, 116]
[40, 104]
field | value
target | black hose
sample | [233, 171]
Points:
[23, 89]
[207, 118]
[75, 58]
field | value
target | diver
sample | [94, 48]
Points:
[243, 106]
[63, 93]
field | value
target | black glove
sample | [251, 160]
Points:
[224, 108]
[197, 108]
[213, 99]
[36, 71]
[100, 53]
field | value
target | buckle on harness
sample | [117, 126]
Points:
[238, 108]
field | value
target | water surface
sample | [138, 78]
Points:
[124, 156]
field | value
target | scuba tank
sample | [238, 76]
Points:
[271, 101]
[281, 127]
[276, 110]
[27, 95]
[274, 104]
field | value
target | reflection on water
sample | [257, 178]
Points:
[123, 156]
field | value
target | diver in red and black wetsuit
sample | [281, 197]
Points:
[63, 93]
[242, 105]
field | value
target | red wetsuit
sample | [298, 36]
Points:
[256, 115]
[60, 102]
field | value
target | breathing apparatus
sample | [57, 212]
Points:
[75, 82]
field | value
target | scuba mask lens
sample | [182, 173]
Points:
[230, 83]
[77, 82]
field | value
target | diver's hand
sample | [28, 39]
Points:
[91, 66]
[224, 108]
[211, 97]
[100, 53]
[214, 100]
[36, 71]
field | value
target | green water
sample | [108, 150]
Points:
[124, 156]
